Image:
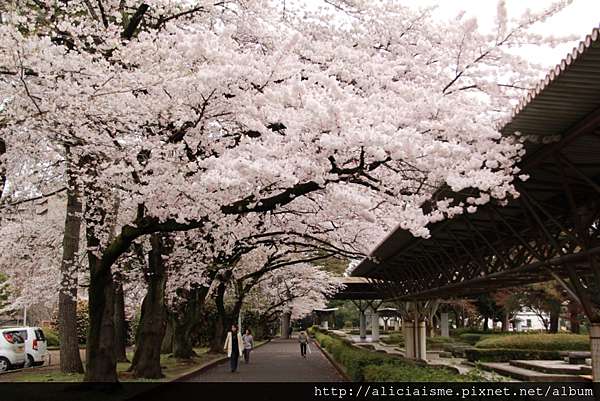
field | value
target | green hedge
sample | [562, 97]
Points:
[364, 365]
[432, 342]
[395, 373]
[549, 342]
[438, 342]
[506, 354]
[394, 339]
[473, 338]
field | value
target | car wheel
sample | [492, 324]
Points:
[28, 362]
[4, 364]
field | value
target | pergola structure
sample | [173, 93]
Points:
[366, 297]
[323, 316]
[389, 314]
[551, 231]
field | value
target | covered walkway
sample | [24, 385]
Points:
[277, 361]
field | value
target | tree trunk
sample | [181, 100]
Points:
[184, 322]
[574, 310]
[486, 325]
[153, 320]
[120, 325]
[167, 342]
[101, 364]
[459, 320]
[554, 316]
[183, 346]
[221, 323]
[505, 321]
[70, 359]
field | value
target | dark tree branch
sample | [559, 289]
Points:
[103, 14]
[135, 21]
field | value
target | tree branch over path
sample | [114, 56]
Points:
[135, 21]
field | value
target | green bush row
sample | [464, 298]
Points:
[507, 354]
[432, 342]
[475, 330]
[549, 342]
[473, 338]
[364, 365]
[395, 339]
[439, 341]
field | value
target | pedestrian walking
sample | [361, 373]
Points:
[248, 344]
[303, 340]
[234, 347]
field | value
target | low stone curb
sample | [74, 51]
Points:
[335, 364]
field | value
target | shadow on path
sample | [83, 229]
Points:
[277, 361]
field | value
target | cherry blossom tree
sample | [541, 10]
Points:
[202, 116]
[295, 289]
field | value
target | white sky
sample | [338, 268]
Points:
[577, 19]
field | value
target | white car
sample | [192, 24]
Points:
[35, 345]
[12, 350]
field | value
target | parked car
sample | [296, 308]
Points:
[12, 350]
[35, 345]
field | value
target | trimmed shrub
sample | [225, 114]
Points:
[473, 338]
[438, 342]
[549, 342]
[407, 373]
[470, 338]
[394, 339]
[505, 354]
[462, 330]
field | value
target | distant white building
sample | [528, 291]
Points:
[527, 320]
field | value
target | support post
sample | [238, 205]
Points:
[362, 324]
[408, 332]
[421, 340]
[375, 326]
[444, 326]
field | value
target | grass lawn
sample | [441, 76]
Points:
[172, 368]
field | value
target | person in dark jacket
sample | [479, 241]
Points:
[303, 340]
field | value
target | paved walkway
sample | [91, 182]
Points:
[277, 361]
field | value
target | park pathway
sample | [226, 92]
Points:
[277, 361]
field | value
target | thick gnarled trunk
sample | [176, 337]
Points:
[101, 364]
[70, 360]
[153, 321]
[167, 342]
[184, 322]
[221, 323]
